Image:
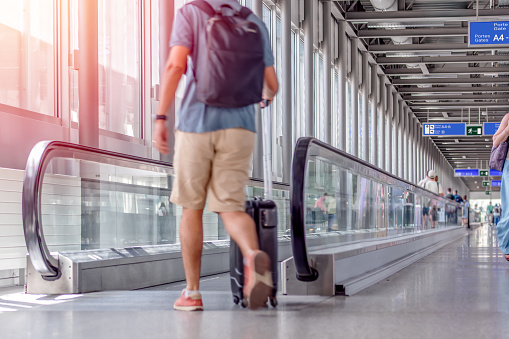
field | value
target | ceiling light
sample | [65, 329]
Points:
[445, 114]
[464, 157]
[475, 182]
[456, 141]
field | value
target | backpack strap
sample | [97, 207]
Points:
[204, 6]
[245, 12]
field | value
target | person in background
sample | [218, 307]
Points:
[330, 205]
[496, 216]
[466, 206]
[450, 209]
[320, 202]
[423, 181]
[490, 213]
[503, 225]
[440, 187]
[431, 184]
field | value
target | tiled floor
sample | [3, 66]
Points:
[461, 290]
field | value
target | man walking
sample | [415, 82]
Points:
[213, 148]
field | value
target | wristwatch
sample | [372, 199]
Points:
[161, 117]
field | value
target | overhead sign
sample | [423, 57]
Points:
[474, 129]
[454, 129]
[485, 183]
[464, 172]
[488, 192]
[495, 173]
[496, 183]
[488, 33]
[490, 128]
[484, 173]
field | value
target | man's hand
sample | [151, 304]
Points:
[160, 139]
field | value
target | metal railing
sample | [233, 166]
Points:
[308, 148]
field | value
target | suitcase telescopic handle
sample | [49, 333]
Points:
[267, 151]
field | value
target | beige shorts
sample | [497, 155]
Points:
[214, 164]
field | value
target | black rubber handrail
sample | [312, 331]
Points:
[297, 191]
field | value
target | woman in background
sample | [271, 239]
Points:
[503, 225]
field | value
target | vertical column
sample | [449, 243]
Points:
[327, 70]
[343, 64]
[383, 113]
[257, 7]
[308, 67]
[355, 97]
[374, 115]
[88, 90]
[414, 151]
[365, 107]
[286, 82]
[390, 114]
[407, 163]
[396, 118]
[401, 154]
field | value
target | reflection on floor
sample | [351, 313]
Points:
[462, 290]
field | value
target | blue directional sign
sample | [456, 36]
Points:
[490, 128]
[464, 172]
[496, 183]
[455, 129]
[491, 33]
[494, 173]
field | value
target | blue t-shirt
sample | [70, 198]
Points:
[195, 116]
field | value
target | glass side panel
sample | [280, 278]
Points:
[88, 205]
[354, 202]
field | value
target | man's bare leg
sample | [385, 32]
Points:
[241, 228]
[191, 239]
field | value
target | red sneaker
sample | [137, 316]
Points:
[258, 285]
[191, 303]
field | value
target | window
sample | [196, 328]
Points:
[119, 67]
[27, 58]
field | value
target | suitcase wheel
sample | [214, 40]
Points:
[236, 300]
[273, 301]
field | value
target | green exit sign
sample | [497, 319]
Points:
[484, 173]
[488, 192]
[485, 183]
[474, 129]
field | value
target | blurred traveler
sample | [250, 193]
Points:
[423, 181]
[214, 142]
[320, 202]
[440, 187]
[466, 207]
[503, 225]
[496, 216]
[449, 194]
[431, 184]
[331, 212]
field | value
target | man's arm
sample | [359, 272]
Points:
[270, 84]
[502, 133]
[175, 68]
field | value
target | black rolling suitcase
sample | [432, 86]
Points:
[264, 213]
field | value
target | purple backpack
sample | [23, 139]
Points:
[234, 68]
